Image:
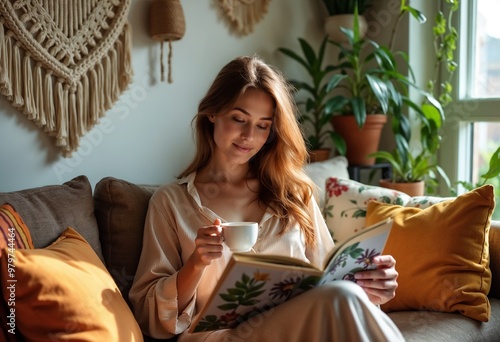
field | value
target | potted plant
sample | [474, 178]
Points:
[418, 166]
[314, 113]
[341, 14]
[372, 83]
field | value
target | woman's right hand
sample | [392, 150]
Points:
[208, 245]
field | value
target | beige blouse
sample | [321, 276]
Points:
[175, 213]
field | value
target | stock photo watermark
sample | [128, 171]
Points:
[11, 281]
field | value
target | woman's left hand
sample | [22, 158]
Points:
[380, 284]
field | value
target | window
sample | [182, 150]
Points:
[472, 131]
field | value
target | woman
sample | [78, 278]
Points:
[249, 167]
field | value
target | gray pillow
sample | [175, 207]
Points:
[48, 210]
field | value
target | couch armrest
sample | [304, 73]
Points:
[495, 258]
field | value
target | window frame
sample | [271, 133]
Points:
[456, 147]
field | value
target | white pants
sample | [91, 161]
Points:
[340, 311]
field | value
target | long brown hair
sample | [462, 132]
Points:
[279, 164]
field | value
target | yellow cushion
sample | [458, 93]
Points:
[64, 292]
[441, 254]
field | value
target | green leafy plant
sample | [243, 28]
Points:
[371, 81]
[313, 110]
[410, 164]
[346, 6]
[492, 174]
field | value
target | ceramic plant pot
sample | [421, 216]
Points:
[333, 24]
[411, 189]
[360, 142]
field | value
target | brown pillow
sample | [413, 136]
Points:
[441, 253]
[120, 210]
[64, 292]
[49, 210]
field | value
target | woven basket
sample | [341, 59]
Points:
[166, 20]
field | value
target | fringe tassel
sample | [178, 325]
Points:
[108, 83]
[84, 113]
[49, 102]
[3, 59]
[115, 90]
[28, 94]
[73, 133]
[61, 131]
[126, 70]
[94, 98]
[39, 103]
[7, 85]
[17, 96]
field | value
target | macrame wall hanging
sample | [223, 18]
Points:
[64, 63]
[166, 24]
[244, 14]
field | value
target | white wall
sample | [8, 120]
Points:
[146, 137]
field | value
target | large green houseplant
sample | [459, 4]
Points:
[374, 80]
[410, 164]
[313, 112]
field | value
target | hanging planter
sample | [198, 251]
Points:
[166, 24]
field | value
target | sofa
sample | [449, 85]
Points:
[109, 218]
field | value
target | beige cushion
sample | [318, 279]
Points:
[319, 172]
[120, 209]
[47, 211]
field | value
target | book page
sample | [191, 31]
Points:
[248, 288]
[356, 254]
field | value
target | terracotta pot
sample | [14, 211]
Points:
[319, 155]
[335, 22]
[360, 142]
[412, 189]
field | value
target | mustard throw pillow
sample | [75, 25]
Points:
[441, 254]
[64, 292]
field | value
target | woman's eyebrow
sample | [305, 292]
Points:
[247, 113]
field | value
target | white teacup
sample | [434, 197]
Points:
[240, 236]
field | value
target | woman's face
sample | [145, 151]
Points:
[240, 133]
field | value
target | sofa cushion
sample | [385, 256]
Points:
[441, 253]
[319, 172]
[14, 235]
[345, 208]
[426, 326]
[64, 292]
[120, 209]
[49, 210]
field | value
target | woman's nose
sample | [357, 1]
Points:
[247, 132]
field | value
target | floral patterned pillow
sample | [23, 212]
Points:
[423, 202]
[346, 201]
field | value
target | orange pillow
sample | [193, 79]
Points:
[14, 234]
[64, 292]
[441, 254]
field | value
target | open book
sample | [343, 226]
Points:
[254, 283]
